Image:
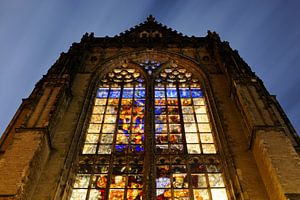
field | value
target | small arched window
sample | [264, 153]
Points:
[156, 34]
[144, 34]
[153, 142]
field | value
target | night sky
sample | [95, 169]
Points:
[34, 32]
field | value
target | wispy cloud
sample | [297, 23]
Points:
[33, 33]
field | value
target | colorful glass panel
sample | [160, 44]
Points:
[186, 160]
[183, 139]
[112, 155]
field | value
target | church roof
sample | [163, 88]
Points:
[151, 26]
[147, 34]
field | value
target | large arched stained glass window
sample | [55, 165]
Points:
[186, 161]
[180, 158]
[111, 164]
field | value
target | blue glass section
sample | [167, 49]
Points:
[137, 148]
[114, 93]
[160, 110]
[121, 147]
[196, 93]
[159, 94]
[139, 119]
[184, 93]
[120, 121]
[163, 182]
[160, 128]
[171, 92]
[140, 80]
[102, 93]
[140, 93]
[127, 93]
[123, 128]
[139, 103]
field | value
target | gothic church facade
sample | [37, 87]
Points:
[150, 114]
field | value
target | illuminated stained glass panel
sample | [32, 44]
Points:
[185, 161]
[180, 177]
[112, 161]
[181, 120]
[168, 134]
[108, 178]
[187, 164]
[171, 178]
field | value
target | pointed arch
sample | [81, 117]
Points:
[111, 161]
[163, 95]
[187, 165]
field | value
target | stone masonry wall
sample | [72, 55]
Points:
[279, 164]
[28, 151]
[245, 166]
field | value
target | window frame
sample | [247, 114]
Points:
[149, 130]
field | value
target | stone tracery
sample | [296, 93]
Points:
[183, 138]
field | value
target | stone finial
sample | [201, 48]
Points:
[150, 18]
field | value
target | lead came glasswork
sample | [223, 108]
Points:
[94, 128]
[92, 138]
[186, 160]
[183, 137]
[116, 134]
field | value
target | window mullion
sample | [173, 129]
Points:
[149, 164]
[169, 159]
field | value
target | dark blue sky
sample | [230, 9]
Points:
[34, 32]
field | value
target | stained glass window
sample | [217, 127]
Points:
[181, 152]
[111, 165]
[187, 164]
